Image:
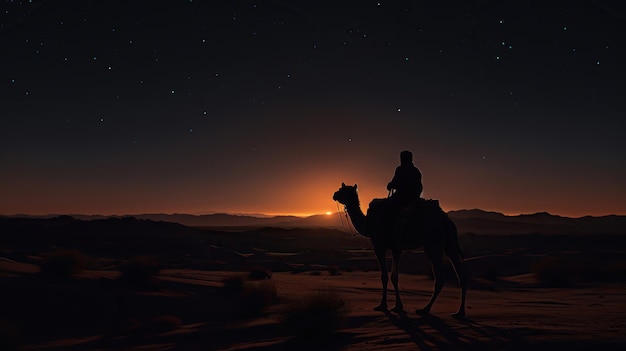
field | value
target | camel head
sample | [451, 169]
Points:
[346, 195]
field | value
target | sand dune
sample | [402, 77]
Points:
[208, 290]
[506, 317]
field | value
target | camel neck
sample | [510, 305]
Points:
[357, 217]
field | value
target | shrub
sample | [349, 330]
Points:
[259, 273]
[63, 264]
[140, 270]
[248, 298]
[255, 297]
[233, 284]
[333, 270]
[317, 315]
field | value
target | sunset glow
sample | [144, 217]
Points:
[295, 175]
[269, 111]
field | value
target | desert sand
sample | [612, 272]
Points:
[218, 299]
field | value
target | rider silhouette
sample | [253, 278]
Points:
[407, 181]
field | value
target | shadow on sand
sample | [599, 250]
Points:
[430, 332]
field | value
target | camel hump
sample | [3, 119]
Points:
[387, 206]
[432, 204]
[379, 207]
[428, 207]
[386, 209]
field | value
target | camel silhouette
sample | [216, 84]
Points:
[425, 225]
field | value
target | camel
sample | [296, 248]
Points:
[426, 226]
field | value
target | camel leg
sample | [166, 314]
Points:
[462, 277]
[437, 266]
[454, 255]
[381, 255]
[394, 279]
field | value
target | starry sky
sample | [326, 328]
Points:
[127, 107]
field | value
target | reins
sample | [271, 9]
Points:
[347, 225]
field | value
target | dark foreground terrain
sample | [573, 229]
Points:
[135, 284]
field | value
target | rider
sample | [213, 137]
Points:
[407, 181]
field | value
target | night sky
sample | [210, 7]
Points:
[128, 107]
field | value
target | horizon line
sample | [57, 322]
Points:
[270, 215]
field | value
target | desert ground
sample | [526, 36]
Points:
[140, 285]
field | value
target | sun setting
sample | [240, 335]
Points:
[328, 213]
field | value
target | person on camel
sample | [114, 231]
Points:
[407, 181]
[406, 188]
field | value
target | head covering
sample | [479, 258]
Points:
[406, 157]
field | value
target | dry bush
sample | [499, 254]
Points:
[317, 315]
[255, 297]
[140, 271]
[63, 264]
[259, 273]
[233, 284]
[333, 270]
[248, 298]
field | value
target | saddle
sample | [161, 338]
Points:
[418, 209]
[420, 205]
[398, 212]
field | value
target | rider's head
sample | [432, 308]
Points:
[406, 157]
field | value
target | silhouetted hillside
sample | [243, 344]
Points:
[209, 220]
[126, 235]
[335, 220]
[481, 222]
[476, 213]
[468, 221]
[494, 223]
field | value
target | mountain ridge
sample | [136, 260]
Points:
[474, 221]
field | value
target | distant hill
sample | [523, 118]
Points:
[99, 236]
[209, 220]
[482, 222]
[467, 221]
[218, 219]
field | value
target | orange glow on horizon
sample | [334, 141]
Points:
[304, 193]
